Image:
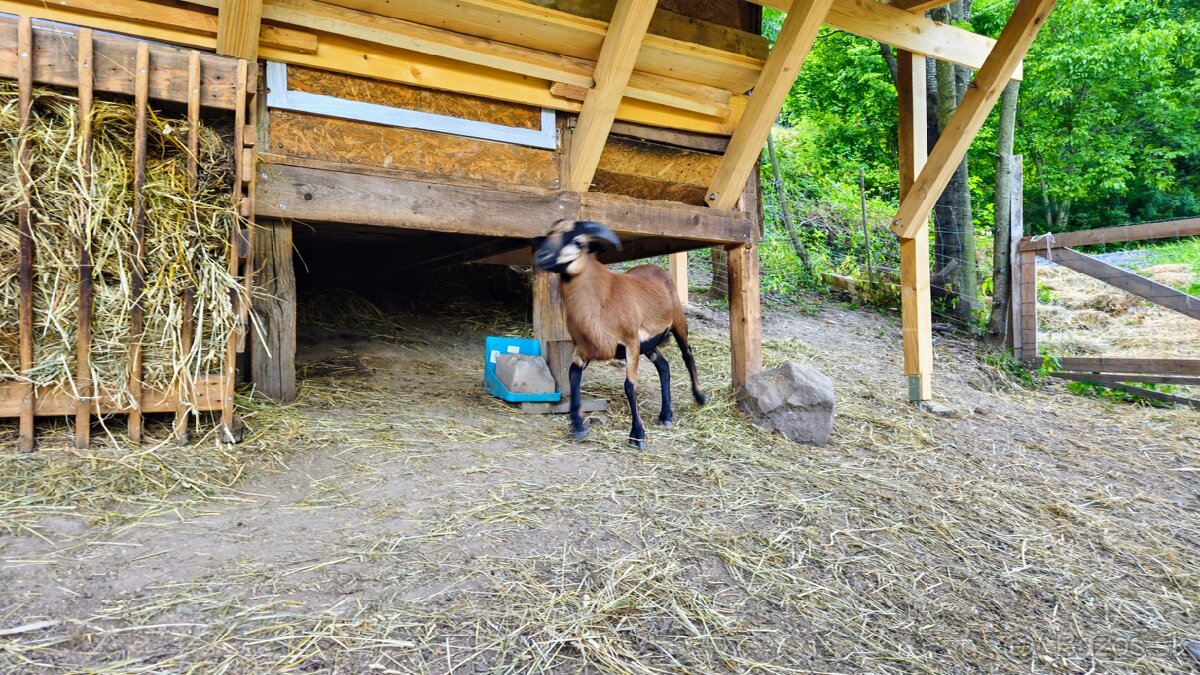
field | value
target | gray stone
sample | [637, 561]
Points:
[524, 374]
[795, 400]
[939, 410]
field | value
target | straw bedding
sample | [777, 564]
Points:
[186, 244]
[415, 524]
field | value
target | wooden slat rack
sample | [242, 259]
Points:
[59, 55]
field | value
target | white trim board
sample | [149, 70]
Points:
[279, 97]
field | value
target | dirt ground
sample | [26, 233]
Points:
[398, 520]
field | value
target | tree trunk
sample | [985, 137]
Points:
[1001, 237]
[890, 59]
[785, 208]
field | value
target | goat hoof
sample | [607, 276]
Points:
[635, 443]
[665, 423]
[700, 397]
[580, 435]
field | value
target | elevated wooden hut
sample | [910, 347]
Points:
[465, 127]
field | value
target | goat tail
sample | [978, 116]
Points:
[680, 329]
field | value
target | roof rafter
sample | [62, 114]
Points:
[783, 64]
[904, 30]
[1027, 19]
[917, 5]
[630, 20]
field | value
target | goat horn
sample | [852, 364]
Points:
[594, 229]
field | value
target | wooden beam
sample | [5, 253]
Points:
[155, 18]
[114, 62]
[83, 338]
[1163, 229]
[783, 64]
[1027, 20]
[917, 5]
[1101, 378]
[630, 20]
[326, 195]
[904, 30]
[745, 314]
[1027, 311]
[915, 308]
[550, 30]
[238, 24]
[26, 440]
[1130, 282]
[141, 105]
[1132, 367]
[58, 402]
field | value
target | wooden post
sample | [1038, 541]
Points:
[1028, 307]
[550, 326]
[25, 438]
[914, 252]
[141, 102]
[745, 313]
[189, 297]
[679, 275]
[1016, 209]
[83, 338]
[229, 426]
[273, 367]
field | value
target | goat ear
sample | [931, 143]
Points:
[598, 231]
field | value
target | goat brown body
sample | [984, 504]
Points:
[605, 309]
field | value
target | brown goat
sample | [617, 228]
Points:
[615, 316]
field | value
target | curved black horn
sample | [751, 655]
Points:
[594, 229]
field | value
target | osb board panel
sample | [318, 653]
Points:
[660, 162]
[688, 28]
[641, 187]
[396, 95]
[352, 142]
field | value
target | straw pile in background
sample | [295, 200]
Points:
[186, 245]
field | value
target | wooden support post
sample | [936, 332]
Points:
[273, 352]
[83, 338]
[915, 306]
[779, 72]
[550, 326]
[745, 313]
[141, 102]
[25, 433]
[189, 295]
[679, 275]
[1026, 21]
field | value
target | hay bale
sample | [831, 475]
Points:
[186, 244]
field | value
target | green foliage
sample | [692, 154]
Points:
[1119, 394]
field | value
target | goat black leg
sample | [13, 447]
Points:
[664, 380]
[690, 361]
[637, 434]
[578, 430]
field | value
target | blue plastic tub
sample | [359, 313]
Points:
[493, 347]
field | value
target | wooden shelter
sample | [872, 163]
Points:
[463, 128]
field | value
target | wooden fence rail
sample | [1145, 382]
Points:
[52, 54]
[1125, 373]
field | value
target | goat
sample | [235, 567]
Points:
[614, 316]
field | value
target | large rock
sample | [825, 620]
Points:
[524, 374]
[795, 400]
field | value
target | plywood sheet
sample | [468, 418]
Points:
[362, 143]
[724, 12]
[661, 162]
[396, 95]
[647, 188]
